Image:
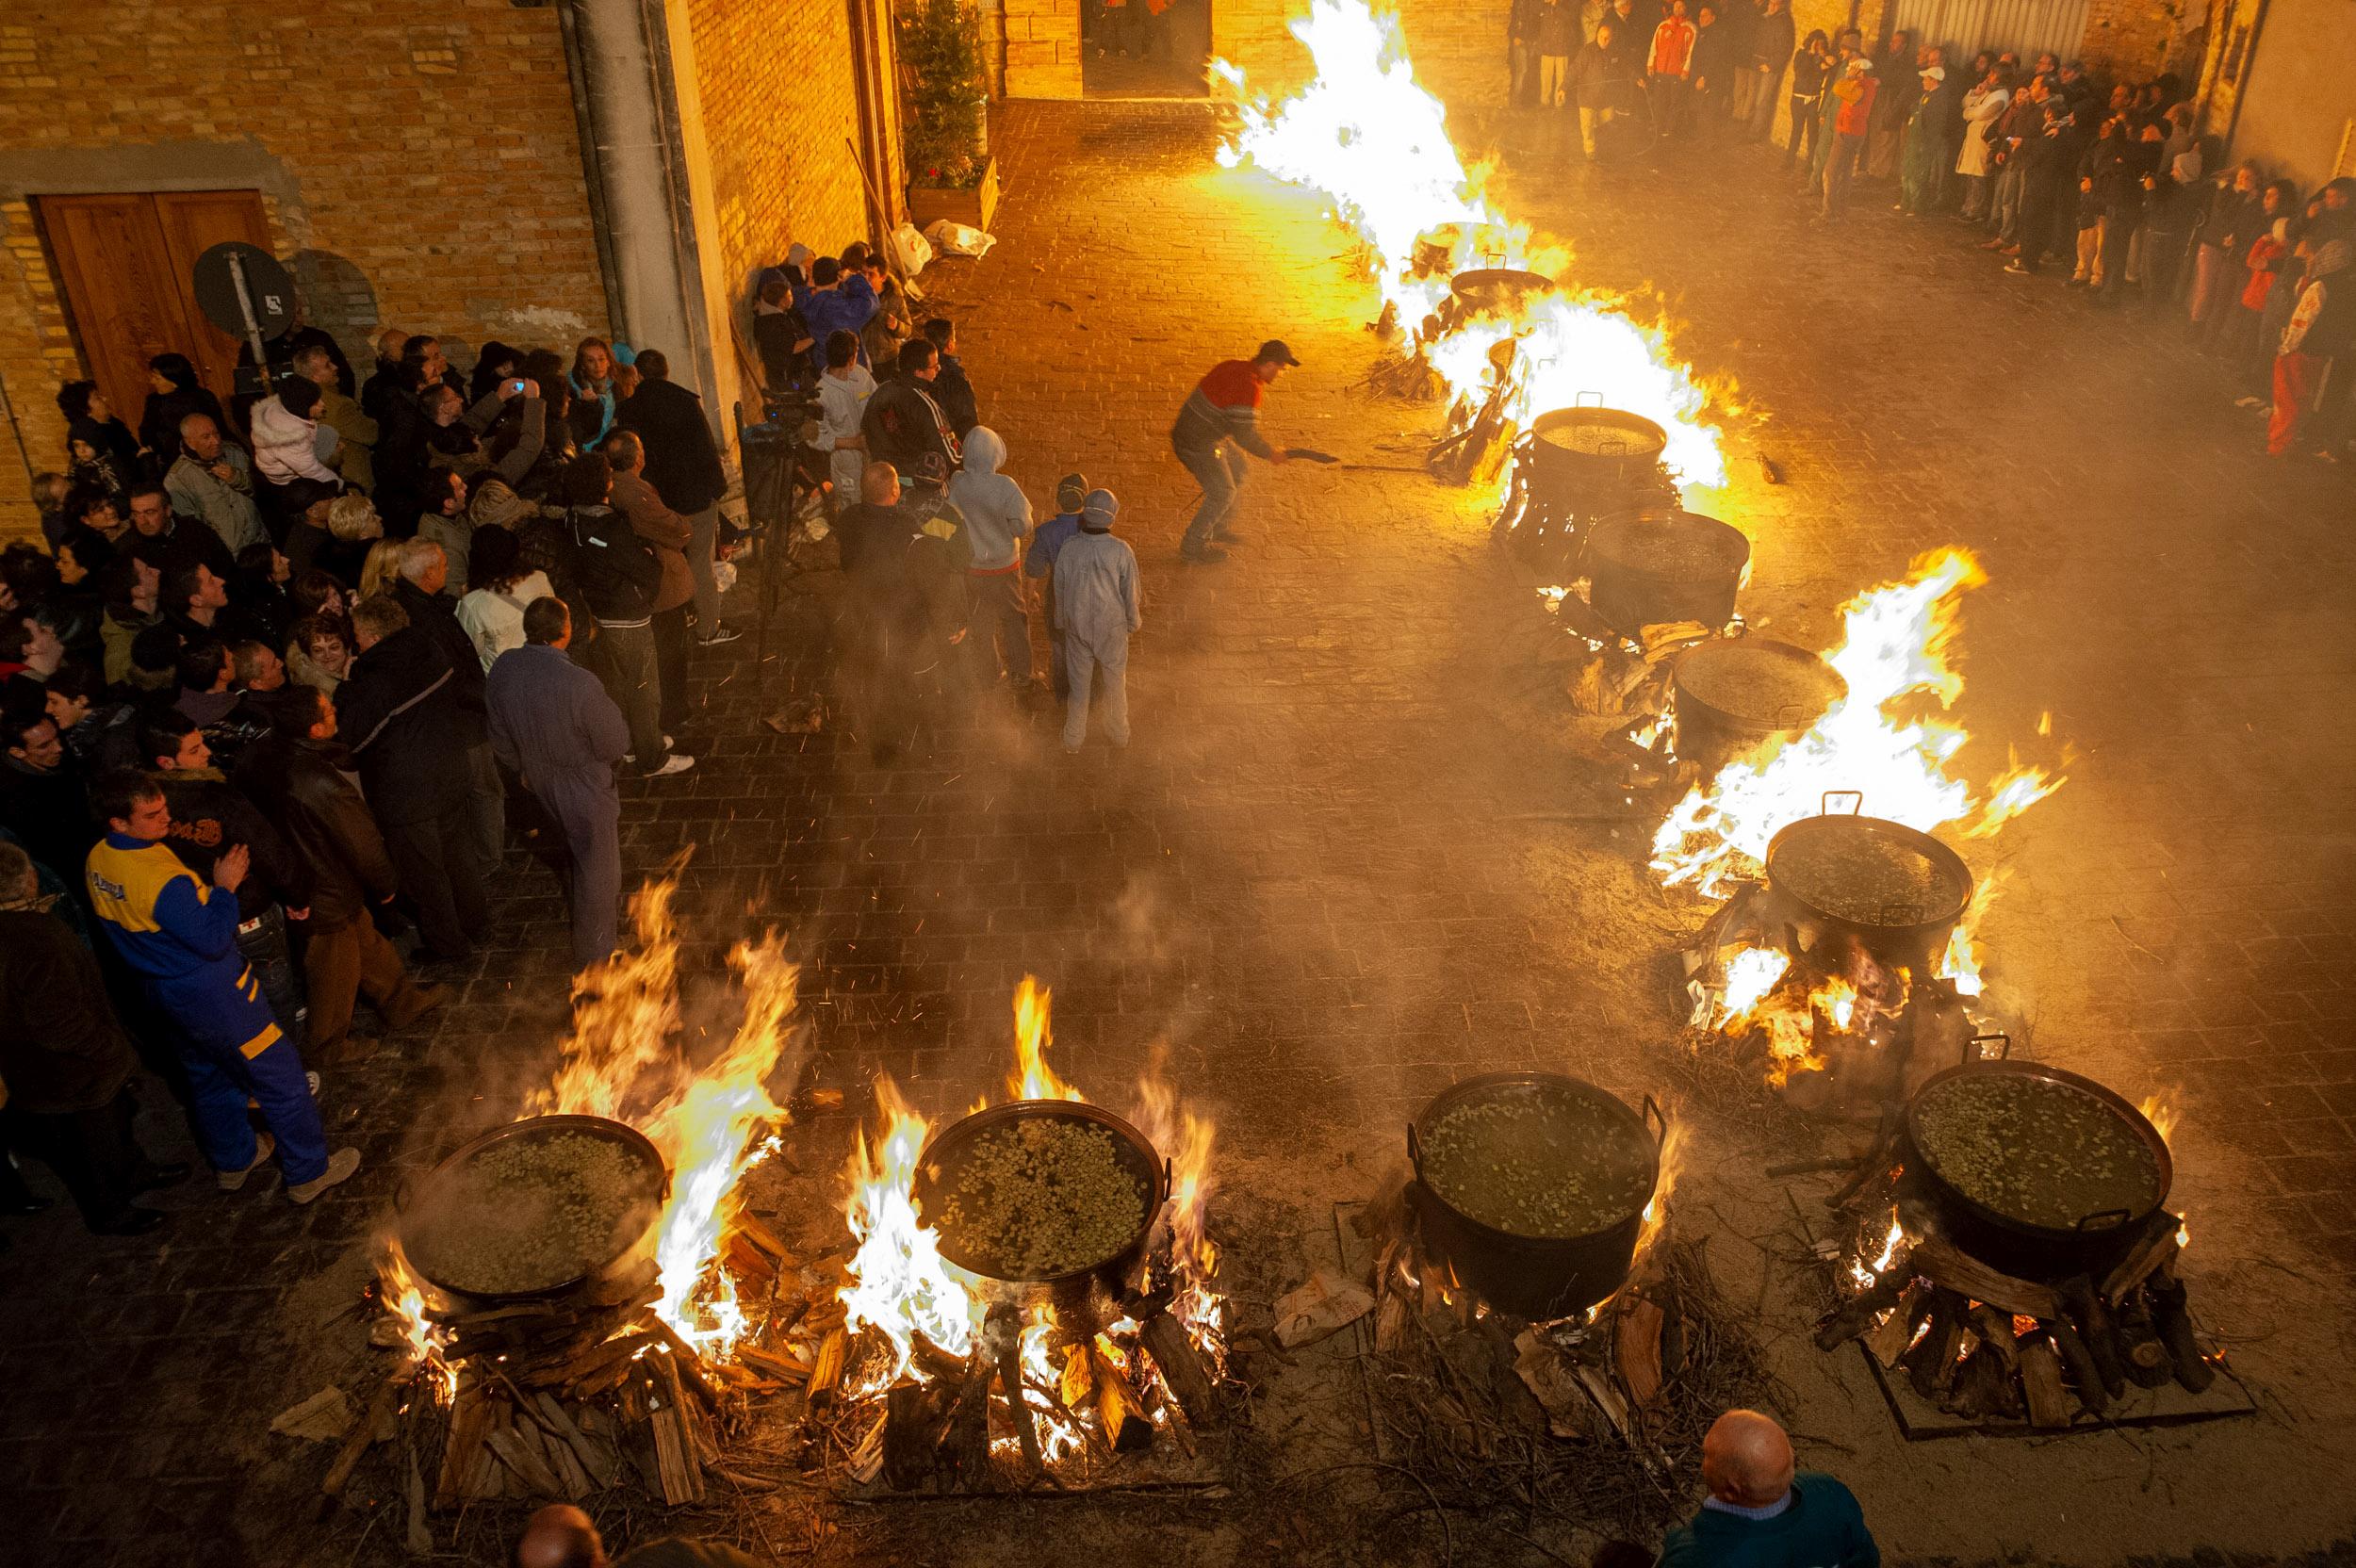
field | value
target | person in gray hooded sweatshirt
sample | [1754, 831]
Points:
[1096, 609]
[998, 521]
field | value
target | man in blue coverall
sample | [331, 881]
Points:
[181, 938]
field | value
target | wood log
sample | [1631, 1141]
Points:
[2171, 1317]
[1119, 1410]
[935, 1361]
[488, 1479]
[826, 1368]
[789, 1368]
[2041, 1381]
[2156, 1249]
[680, 1477]
[1888, 1339]
[962, 1457]
[744, 1224]
[1165, 1340]
[1943, 1264]
[584, 1368]
[1636, 1351]
[1983, 1384]
[1996, 1333]
[597, 1461]
[1931, 1363]
[373, 1421]
[2079, 1361]
[470, 1417]
[750, 1261]
[2149, 1365]
[912, 1416]
[1607, 1397]
[688, 1365]
[2085, 1309]
[1001, 1335]
[522, 1457]
[1857, 1315]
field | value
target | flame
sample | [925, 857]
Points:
[1186, 1138]
[710, 1123]
[899, 1283]
[1896, 642]
[1657, 1207]
[403, 1295]
[1033, 1079]
[2161, 1110]
[1751, 974]
[1863, 1273]
[1377, 144]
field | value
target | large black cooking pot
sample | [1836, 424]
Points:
[944, 1156]
[1490, 291]
[1540, 1277]
[1588, 456]
[1652, 567]
[1734, 693]
[425, 1206]
[1803, 864]
[2032, 1251]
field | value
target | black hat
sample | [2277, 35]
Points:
[1273, 352]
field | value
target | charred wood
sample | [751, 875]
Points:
[2092, 1392]
[2095, 1327]
[2174, 1322]
[1165, 1340]
[2041, 1381]
[1931, 1363]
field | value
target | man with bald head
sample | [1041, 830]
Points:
[560, 1536]
[1760, 1514]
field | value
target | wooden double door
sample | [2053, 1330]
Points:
[126, 265]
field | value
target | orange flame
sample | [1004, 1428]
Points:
[403, 1296]
[2160, 1109]
[900, 1285]
[1185, 1139]
[1033, 1079]
[710, 1123]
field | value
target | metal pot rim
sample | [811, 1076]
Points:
[1656, 437]
[966, 1128]
[2111, 1100]
[1469, 1088]
[1959, 875]
[1733, 546]
[618, 1132]
[1719, 647]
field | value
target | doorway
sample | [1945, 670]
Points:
[1145, 48]
[125, 266]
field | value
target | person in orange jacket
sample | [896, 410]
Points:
[1666, 69]
[1855, 92]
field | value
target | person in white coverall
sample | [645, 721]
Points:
[998, 520]
[1096, 609]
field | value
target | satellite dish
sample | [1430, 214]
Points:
[268, 289]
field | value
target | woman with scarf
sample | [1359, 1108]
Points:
[174, 392]
[590, 384]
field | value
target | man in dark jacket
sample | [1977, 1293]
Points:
[904, 422]
[683, 466]
[66, 1063]
[1770, 48]
[619, 579]
[951, 388]
[296, 774]
[43, 800]
[396, 711]
[185, 540]
[209, 816]
[553, 723]
[424, 572]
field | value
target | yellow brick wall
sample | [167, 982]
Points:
[1458, 46]
[1042, 48]
[424, 154]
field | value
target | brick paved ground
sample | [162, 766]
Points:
[1348, 858]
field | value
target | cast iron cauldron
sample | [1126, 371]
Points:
[1733, 694]
[1489, 291]
[1653, 567]
[1540, 1277]
[426, 1197]
[946, 1152]
[2015, 1246]
[1589, 457]
[1910, 936]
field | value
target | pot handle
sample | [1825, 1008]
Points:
[1581, 399]
[2112, 1219]
[1972, 1051]
[1414, 1150]
[1824, 804]
[1653, 1115]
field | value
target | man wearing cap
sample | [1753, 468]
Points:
[1855, 94]
[1039, 561]
[1924, 156]
[1096, 609]
[1220, 416]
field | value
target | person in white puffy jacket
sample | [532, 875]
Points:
[286, 436]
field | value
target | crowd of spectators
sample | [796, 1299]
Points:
[277, 684]
[2115, 187]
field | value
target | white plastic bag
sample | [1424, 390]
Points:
[913, 249]
[957, 240]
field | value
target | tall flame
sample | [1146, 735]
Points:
[1033, 1079]
[1186, 1138]
[710, 1123]
[899, 1285]
[1894, 644]
[1375, 143]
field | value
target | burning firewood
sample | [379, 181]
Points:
[1002, 1338]
[1167, 1342]
[2041, 1381]
[2174, 1323]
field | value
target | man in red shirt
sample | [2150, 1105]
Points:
[1666, 72]
[1216, 425]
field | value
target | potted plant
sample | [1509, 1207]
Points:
[951, 174]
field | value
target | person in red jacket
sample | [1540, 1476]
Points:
[1855, 92]
[1218, 422]
[1667, 68]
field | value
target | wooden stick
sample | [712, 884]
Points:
[2149, 1365]
[2080, 1361]
[1888, 1340]
[519, 1455]
[2041, 1381]
[1995, 1331]
[1942, 1264]
[770, 1362]
[689, 1364]
[2092, 1320]
[937, 1361]
[1931, 1363]
[1117, 1410]
[825, 1369]
[1002, 1333]
[372, 1420]
[1165, 1339]
[1857, 1315]
[2170, 1317]
[2157, 1246]
[469, 1414]
[596, 1462]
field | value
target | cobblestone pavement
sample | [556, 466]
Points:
[1349, 858]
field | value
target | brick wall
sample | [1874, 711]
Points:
[423, 155]
[1041, 45]
[780, 100]
[1458, 46]
[2136, 40]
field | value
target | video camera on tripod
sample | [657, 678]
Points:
[785, 473]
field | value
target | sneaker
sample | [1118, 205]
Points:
[340, 1165]
[2014, 265]
[671, 764]
[1202, 556]
[417, 1001]
[2250, 402]
[230, 1181]
[719, 635]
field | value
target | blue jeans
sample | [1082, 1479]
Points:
[1219, 470]
[221, 1078]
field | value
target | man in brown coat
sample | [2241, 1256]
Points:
[66, 1063]
[295, 775]
[668, 535]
